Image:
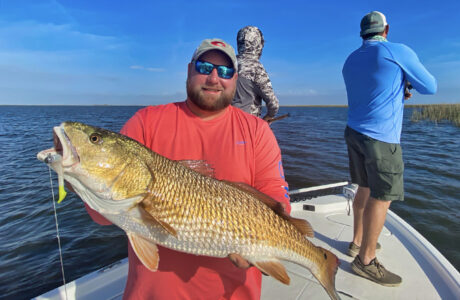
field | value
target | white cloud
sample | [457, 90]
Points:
[150, 69]
[301, 92]
[52, 37]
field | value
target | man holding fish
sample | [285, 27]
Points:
[201, 128]
[238, 147]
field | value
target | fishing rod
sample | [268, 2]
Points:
[277, 118]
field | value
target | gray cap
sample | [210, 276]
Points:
[373, 22]
[216, 44]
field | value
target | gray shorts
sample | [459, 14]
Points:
[376, 165]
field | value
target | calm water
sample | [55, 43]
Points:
[314, 153]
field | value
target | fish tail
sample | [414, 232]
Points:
[327, 273]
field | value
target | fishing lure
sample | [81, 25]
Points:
[54, 159]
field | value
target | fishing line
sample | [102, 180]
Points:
[57, 234]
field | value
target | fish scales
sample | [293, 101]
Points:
[217, 210]
[213, 208]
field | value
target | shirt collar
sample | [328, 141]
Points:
[377, 38]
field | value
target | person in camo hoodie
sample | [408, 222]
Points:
[253, 83]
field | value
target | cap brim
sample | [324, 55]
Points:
[199, 54]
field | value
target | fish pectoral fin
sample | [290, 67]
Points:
[168, 228]
[274, 269]
[146, 251]
[150, 217]
[146, 206]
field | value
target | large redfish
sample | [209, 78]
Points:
[159, 201]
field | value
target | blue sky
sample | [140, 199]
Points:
[136, 52]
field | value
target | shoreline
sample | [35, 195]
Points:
[294, 105]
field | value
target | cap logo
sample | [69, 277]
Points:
[217, 43]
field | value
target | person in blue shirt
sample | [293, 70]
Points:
[377, 76]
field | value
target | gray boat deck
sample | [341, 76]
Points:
[334, 231]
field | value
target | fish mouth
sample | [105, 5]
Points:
[63, 146]
[63, 149]
[57, 142]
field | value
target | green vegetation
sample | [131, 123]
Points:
[437, 113]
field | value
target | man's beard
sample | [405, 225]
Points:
[209, 102]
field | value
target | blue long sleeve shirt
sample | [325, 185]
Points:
[375, 76]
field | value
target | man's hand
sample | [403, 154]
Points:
[407, 93]
[267, 118]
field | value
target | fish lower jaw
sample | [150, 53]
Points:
[43, 155]
[69, 162]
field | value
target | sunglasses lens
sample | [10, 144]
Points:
[203, 67]
[206, 68]
[225, 72]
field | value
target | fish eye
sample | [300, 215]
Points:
[95, 138]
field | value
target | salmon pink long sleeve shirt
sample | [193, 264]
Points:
[240, 148]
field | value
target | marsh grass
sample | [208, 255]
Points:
[437, 113]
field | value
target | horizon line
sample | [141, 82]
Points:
[288, 105]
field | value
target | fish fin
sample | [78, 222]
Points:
[168, 228]
[199, 166]
[328, 269]
[303, 226]
[300, 224]
[238, 260]
[149, 214]
[276, 206]
[146, 251]
[274, 269]
[150, 217]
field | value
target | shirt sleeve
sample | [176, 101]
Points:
[269, 173]
[134, 128]
[416, 73]
[264, 85]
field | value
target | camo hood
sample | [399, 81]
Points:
[253, 83]
[250, 41]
